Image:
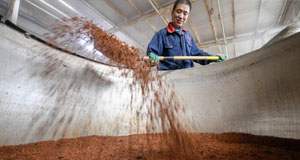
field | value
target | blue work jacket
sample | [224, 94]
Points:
[167, 42]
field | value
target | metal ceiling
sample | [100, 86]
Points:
[232, 27]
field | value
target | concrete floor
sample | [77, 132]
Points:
[47, 95]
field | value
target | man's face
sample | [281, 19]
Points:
[180, 15]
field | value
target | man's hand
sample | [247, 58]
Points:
[153, 59]
[222, 57]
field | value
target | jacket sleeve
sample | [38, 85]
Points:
[198, 52]
[156, 45]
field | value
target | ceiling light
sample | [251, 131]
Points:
[49, 5]
[70, 7]
[44, 11]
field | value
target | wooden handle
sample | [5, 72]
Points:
[176, 58]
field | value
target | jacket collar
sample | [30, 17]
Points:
[171, 29]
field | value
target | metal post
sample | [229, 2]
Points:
[13, 11]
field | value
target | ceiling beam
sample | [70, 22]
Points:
[211, 20]
[234, 28]
[286, 12]
[223, 28]
[156, 3]
[194, 30]
[298, 8]
[233, 17]
[163, 14]
[115, 26]
[212, 24]
[283, 12]
[115, 9]
[290, 11]
[151, 25]
[162, 9]
[158, 12]
[242, 38]
[164, 18]
[258, 18]
[297, 14]
[257, 24]
[36, 6]
[135, 6]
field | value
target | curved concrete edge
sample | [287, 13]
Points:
[47, 95]
[258, 93]
[288, 31]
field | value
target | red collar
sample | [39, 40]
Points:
[171, 29]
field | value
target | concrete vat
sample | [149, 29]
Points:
[46, 94]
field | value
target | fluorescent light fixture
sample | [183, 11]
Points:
[45, 11]
[52, 7]
[70, 7]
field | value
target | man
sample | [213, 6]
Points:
[175, 40]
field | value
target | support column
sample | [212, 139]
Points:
[12, 12]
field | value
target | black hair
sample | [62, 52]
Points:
[187, 2]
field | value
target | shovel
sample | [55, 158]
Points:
[176, 58]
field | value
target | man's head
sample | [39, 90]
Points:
[180, 13]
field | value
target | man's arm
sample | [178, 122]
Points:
[156, 45]
[195, 51]
[155, 49]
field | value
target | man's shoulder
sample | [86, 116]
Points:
[162, 31]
